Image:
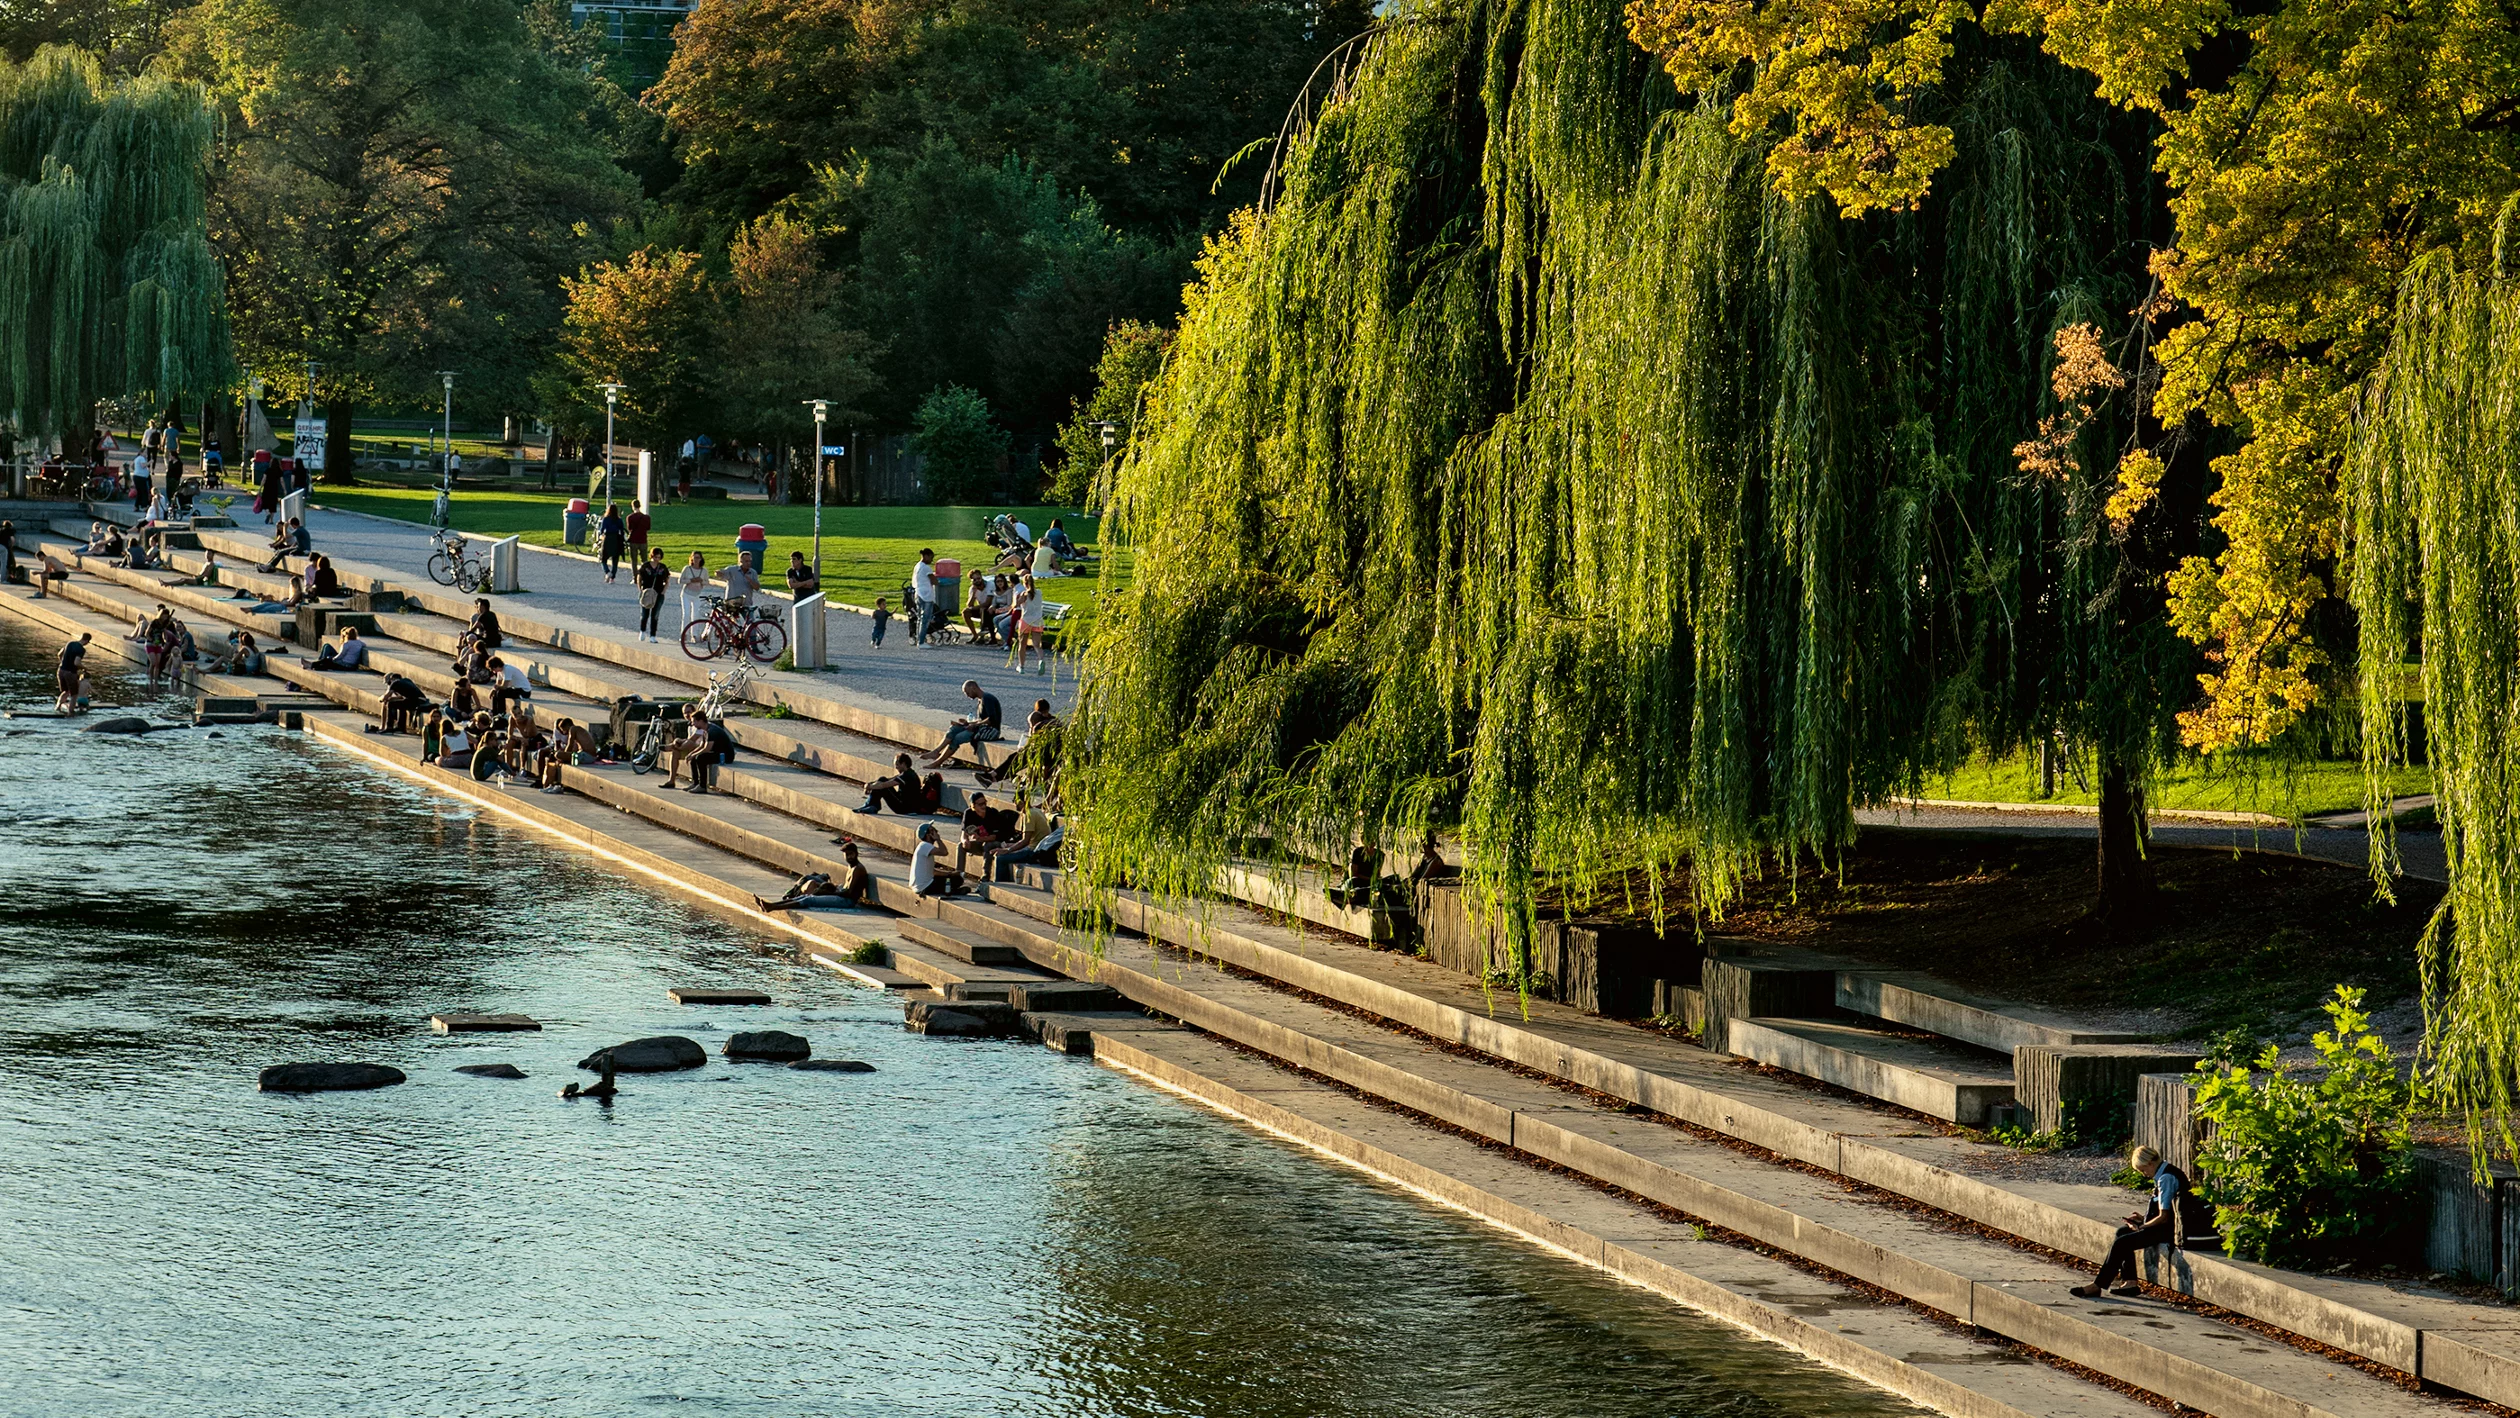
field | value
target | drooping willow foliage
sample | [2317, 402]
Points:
[1530, 470]
[2434, 522]
[108, 285]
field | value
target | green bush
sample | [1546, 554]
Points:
[2309, 1172]
[960, 444]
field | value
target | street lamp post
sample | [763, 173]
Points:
[446, 470]
[822, 410]
[612, 397]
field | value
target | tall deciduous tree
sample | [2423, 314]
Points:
[647, 323]
[400, 186]
[107, 282]
[2315, 149]
[784, 337]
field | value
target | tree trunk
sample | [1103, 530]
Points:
[340, 467]
[2126, 874]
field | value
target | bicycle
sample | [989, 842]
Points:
[753, 630]
[726, 689]
[452, 564]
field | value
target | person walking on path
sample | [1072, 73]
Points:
[610, 534]
[652, 574]
[636, 525]
[266, 484]
[883, 617]
[923, 594]
[695, 584]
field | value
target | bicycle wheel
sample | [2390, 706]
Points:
[765, 640]
[441, 570]
[643, 757]
[702, 640]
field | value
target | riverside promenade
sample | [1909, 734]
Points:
[1880, 1239]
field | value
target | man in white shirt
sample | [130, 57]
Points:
[925, 878]
[511, 686]
[923, 593]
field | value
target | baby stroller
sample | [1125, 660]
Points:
[1013, 550]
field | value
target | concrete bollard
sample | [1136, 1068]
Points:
[292, 505]
[503, 577]
[647, 480]
[806, 625]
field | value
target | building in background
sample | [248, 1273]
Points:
[639, 35]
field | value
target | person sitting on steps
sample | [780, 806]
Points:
[482, 632]
[351, 654]
[2171, 1214]
[291, 540]
[403, 703]
[928, 879]
[905, 792]
[980, 727]
[508, 685]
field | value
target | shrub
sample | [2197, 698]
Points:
[2302, 1171]
[960, 444]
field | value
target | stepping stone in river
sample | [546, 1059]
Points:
[326, 1077]
[491, 1070]
[687, 995]
[662, 1053]
[481, 1023]
[768, 1045]
[833, 1066]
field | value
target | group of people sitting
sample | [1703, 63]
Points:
[491, 747]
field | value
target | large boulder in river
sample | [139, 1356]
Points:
[124, 725]
[768, 1045]
[327, 1077]
[491, 1070]
[663, 1053]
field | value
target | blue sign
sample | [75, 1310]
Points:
[833, 450]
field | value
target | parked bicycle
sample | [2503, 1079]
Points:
[453, 564]
[658, 731]
[751, 630]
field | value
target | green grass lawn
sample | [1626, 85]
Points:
[2242, 785]
[867, 551]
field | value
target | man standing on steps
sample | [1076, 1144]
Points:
[923, 596]
[652, 574]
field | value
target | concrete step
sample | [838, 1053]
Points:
[1844, 1325]
[2469, 1347]
[2012, 1290]
[1939, 1080]
[1920, 1001]
[913, 726]
[961, 945]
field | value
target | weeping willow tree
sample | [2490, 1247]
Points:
[1529, 469]
[108, 286]
[2435, 483]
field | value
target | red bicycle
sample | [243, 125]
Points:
[752, 630]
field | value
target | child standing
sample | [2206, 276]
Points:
[883, 617]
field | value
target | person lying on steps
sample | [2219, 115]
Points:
[818, 892]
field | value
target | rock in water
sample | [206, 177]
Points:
[125, 725]
[953, 1022]
[833, 1066]
[768, 1045]
[491, 1070]
[327, 1077]
[663, 1053]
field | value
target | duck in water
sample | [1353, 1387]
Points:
[601, 1090]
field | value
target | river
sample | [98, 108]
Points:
[974, 1228]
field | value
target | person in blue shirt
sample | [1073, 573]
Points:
[2164, 1221]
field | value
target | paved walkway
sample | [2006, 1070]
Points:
[901, 670]
[2419, 852]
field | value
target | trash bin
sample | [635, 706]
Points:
[948, 587]
[753, 538]
[573, 523]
